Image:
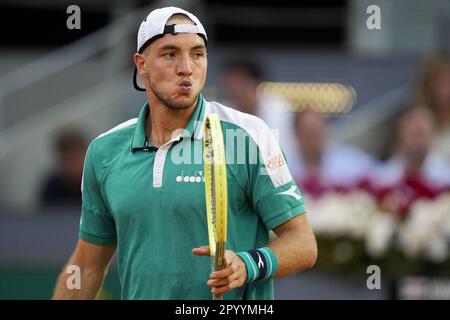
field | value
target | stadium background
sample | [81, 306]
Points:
[52, 78]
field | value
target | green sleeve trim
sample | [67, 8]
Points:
[285, 216]
[96, 240]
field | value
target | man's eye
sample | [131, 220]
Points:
[170, 55]
[198, 54]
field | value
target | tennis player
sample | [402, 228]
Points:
[140, 200]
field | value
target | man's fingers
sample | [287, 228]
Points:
[223, 281]
[231, 266]
[232, 276]
[201, 251]
[227, 279]
[226, 288]
[221, 273]
[229, 258]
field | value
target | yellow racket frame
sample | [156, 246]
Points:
[215, 191]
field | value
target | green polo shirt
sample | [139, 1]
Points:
[151, 202]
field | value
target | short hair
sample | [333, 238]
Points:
[181, 16]
[70, 139]
[430, 68]
[250, 68]
[300, 115]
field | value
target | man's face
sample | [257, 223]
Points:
[71, 163]
[312, 133]
[440, 88]
[174, 68]
[239, 86]
[416, 136]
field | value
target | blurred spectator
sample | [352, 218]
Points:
[434, 91]
[241, 80]
[63, 187]
[413, 171]
[325, 165]
[240, 83]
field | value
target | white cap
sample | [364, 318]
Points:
[154, 27]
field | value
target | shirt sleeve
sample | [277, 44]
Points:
[274, 193]
[97, 224]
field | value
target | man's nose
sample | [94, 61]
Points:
[184, 68]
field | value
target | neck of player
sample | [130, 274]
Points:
[163, 121]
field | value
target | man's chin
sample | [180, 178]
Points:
[177, 100]
[183, 101]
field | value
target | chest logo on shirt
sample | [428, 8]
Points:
[196, 178]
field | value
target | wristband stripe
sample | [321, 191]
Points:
[273, 263]
[261, 264]
[251, 261]
[268, 274]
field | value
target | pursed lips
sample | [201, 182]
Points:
[185, 85]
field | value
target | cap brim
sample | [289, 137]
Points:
[138, 83]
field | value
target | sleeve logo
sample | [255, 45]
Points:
[291, 192]
[275, 162]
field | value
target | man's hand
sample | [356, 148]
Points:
[232, 276]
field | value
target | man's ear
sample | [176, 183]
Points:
[139, 61]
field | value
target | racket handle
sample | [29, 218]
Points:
[217, 296]
[216, 267]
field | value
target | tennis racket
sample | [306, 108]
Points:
[216, 191]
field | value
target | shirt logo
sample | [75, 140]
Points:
[196, 178]
[275, 162]
[291, 192]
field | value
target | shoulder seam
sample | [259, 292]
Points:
[121, 126]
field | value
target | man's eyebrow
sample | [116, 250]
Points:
[173, 47]
[200, 46]
[168, 47]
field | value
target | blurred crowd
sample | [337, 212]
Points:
[418, 165]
